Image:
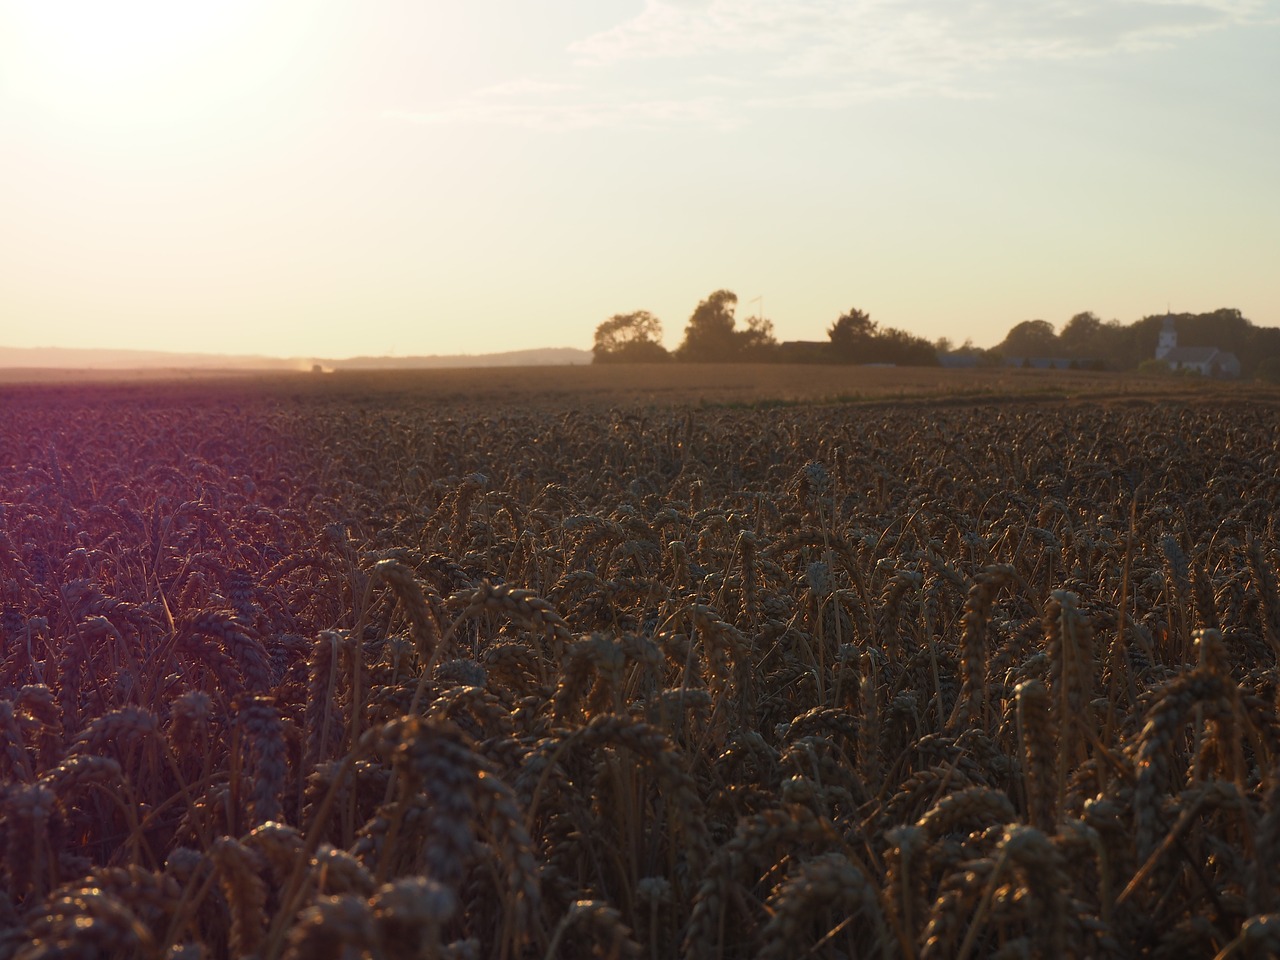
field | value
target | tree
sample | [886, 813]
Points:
[630, 338]
[903, 348]
[851, 336]
[1030, 338]
[1081, 333]
[710, 337]
[1153, 367]
[1268, 370]
[856, 338]
[757, 342]
[1264, 343]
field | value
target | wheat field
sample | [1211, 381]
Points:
[300, 671]
[634, 385]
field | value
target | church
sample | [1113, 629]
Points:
[1209, 361]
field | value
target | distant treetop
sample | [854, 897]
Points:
[630, 338]
[712, 337]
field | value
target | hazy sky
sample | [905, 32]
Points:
[328, 178]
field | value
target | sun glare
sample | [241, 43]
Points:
[136, 60]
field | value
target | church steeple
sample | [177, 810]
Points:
[1168, 338]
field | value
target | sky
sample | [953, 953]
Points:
[330, 178]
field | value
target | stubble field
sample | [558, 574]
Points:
[427, 665]
[628, 385]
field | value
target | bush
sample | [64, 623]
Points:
[1153, 367]
[1268, 370]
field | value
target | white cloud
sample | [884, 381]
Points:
[822, 36]
[712, 61]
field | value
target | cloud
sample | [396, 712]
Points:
[904, 36]
[715, 61]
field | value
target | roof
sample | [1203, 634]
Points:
[1047, 363]
[1194, 355]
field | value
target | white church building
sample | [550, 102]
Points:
[1209, 361]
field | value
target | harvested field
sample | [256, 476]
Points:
[367, 666]
[632, 385]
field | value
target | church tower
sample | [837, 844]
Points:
[1168, 339]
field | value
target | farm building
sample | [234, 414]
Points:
[1055, 363]
[959, 361]
[1209, 361]
[805, 351]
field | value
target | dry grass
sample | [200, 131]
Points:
[337, 667]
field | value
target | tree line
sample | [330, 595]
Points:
[713, 335]
[1113, 345]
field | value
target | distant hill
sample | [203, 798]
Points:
[544, 357]
[72, 359]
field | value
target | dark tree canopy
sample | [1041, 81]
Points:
[630, 338]
[851, 335]
[1031, 338]
[1119, 346]
[711, 336]
[757, 342]
[1080, 333]
[1086, 337]
[1268, 370]
[904, 349]
[856, 338]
